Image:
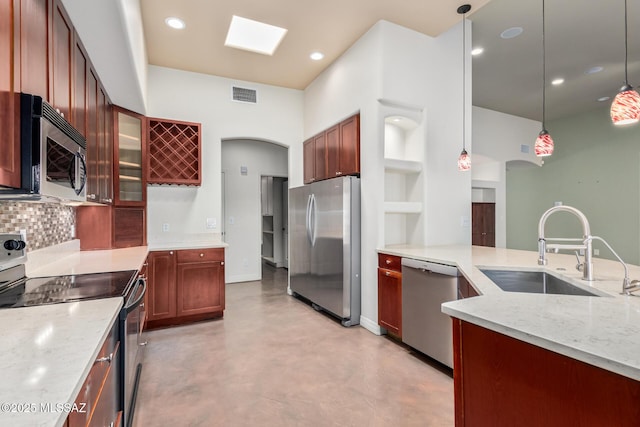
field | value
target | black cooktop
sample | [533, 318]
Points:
[52, 290]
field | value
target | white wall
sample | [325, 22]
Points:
[242, 202]
[181, 95]
[497, 140]
[393, 70]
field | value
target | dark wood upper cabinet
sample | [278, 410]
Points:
[35, 26]
[334, 152]
[129, 158]
[9, 96]
[92, 137]
[174, 152]
[61, 52]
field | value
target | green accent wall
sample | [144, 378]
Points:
[595, 168]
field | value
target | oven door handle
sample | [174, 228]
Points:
[128, 308]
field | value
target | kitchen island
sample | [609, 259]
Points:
[590, 345]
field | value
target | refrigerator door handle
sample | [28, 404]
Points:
[314, 220]
[308, 220]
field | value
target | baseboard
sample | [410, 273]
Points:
[370, 325]
[243, 278]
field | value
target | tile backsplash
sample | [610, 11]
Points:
[46, 224]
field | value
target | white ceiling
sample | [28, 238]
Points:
[330, 26]
[580, 34]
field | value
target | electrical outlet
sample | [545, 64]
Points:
[23, 234]
[165, 227]
[596, 252]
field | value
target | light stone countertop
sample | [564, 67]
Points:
[602, 331]
[47, 353]
[175, 241]
[67, 258]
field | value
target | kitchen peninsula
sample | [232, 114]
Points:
[538, 358]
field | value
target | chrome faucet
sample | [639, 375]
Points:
[628, 286]
[586, 241]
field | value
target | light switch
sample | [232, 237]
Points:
[231, 220]
[211, 223]
[165, 227]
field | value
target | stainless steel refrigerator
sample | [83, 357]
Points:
[324, 251]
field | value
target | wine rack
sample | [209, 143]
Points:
[174, 153]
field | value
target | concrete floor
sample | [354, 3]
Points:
[274, 361]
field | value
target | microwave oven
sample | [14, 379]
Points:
[53, 156]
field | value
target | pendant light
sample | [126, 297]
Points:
[464, 161]
[544, 144]
[625, 108]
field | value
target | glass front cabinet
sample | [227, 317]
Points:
[130, 185]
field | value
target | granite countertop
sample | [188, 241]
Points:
[603, 331]
[47, 353]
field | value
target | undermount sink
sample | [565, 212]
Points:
[537, 282]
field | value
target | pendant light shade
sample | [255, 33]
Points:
[625, 108]
[544, 143]
[464, 161]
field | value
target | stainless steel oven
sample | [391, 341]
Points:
[52, 155]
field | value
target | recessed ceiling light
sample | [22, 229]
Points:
[512, 32]
[317, 56]
[594, 70]
[175, 23]
[254, 36]
[604, 98]
[557, 81]
[477, 51]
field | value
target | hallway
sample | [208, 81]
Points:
[274, 361]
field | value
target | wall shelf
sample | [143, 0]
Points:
[402, 166]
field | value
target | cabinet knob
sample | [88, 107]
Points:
[171, 253]
[91, 196]
[107, 200]
[222, 263]
[388, 261]
[338, 173]
[105, 359]
[387, 273]
[201, 255]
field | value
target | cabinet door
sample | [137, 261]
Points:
[333, 151]
[321, 161]
[60, 69]
[129, 227]
[390, 300]
[92, 136]
[162, 285]
[106, 179]
[34, 34]
[9, 98]
[483, 220]
[129, 179]
[79, 94]
[349, 156]
[309, 161]
[200, 288]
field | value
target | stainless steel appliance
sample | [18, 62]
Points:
[17, 290]
[324, 260]
[425, 286]
[53, 155]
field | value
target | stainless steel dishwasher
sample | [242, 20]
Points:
[425, 286]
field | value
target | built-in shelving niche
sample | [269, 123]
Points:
[404, 143]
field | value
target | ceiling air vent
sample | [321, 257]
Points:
[244, 95]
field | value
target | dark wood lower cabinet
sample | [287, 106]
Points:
[390, 293]
[483, 224]
[502, 381]
[185, 286]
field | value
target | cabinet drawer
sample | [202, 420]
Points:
[390, 262]
[200, 255]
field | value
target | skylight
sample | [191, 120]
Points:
[254, 36]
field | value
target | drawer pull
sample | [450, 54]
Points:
[142, 344]
[201, 255]
[171, 253]
[107, 359]
[387, 273]
[388, 261]
[221, 262]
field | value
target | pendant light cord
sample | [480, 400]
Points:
[464, 80]
[544, 73]
[626, 46]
